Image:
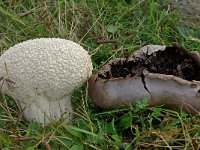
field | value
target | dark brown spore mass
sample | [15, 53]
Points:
[171, 61]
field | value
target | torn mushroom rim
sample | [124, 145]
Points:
[192, 83]
[101, 84]
[107, 67]
[193, 54]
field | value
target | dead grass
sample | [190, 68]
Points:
[131, 24]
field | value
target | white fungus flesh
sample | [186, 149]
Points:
[41, 75]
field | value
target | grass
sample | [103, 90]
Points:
[131, 24]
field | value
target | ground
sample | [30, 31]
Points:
[189, 10]
[107, 29]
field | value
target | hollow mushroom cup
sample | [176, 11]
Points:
[167, 76]
[41, 75]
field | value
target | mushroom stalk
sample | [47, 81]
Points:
[43, 109]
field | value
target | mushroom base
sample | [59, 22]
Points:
[44, 110]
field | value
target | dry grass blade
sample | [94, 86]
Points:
[135, 24]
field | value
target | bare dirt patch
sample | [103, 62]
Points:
[189, 10]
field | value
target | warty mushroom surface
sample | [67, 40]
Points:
[41, 75]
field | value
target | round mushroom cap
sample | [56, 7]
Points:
[47, 66]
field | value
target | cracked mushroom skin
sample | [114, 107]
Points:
[41, 75]
[109, 92]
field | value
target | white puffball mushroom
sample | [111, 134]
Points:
[41, 75]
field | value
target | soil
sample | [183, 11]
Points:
[189, 9]
[171, 61]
